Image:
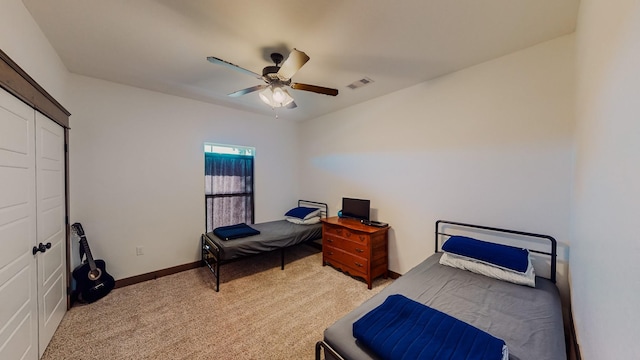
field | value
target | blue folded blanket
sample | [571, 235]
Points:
[401, 328]
[235, 231]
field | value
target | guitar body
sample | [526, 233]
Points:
[90, 289]
[92, 280]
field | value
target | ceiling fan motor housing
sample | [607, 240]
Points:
[270, 73]
[277, 58]
[270, 70]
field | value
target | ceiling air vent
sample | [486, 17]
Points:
[360, 83]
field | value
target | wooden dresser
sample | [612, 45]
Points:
[356, 249]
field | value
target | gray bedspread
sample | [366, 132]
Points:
[273, 235]
[528, 319]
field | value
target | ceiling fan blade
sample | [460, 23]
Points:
[248, 90]
[215, 60]
[293, 63]
[315, 89]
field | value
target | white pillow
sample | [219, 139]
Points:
[309, 221]
[505, 352]
[527, 278]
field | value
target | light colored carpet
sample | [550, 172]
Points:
[261, 312]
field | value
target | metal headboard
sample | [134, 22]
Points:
[324, 208]
[553, 244]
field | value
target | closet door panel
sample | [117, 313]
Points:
[16, 137]
[18, 287]
[51, 228]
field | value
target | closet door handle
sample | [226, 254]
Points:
[41, 247]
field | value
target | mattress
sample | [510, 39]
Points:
[529, 320]
[273, 235]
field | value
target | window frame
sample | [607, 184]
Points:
[230, 154]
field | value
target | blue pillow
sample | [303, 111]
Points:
[302, 212]
[504, 256]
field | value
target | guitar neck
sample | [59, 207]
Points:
[85, 245]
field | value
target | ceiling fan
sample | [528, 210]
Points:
[277, 77]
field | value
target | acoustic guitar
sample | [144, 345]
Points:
[92, 280]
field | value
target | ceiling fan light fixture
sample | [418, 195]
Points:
[266, 96]
[288, 99]
[275, 97]
[278, 95]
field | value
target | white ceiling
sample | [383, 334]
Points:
[162, 45]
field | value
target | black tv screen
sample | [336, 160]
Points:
[355, 208]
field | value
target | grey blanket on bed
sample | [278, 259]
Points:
[529, 320]
[273, 235]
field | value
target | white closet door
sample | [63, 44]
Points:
[50, 204]
[18, 289]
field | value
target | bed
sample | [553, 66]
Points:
[273, 235]
[528, 319]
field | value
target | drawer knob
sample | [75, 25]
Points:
[329, 240]
[330, 252]
[358, 265]
[348, 234]
[359, 250]
[361, 238]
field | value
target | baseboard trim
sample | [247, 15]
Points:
[156, 274]
[176, 269]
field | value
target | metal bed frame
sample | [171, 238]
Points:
[211, 253]
[553, 244]
[439, 233]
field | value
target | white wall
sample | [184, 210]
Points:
[491, 144]
[22, 40]
[605, 249]
[137, 170]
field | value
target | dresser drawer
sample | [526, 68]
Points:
[335, 230]
[355, 264]
[347, 234]
[354, 247]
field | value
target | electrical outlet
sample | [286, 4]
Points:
[139, 250]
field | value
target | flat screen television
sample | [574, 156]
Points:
[355, 208]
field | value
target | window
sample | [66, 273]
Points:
[228, 173]
[229, 149]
